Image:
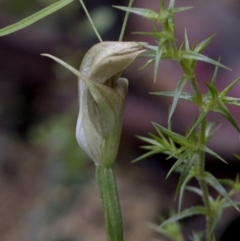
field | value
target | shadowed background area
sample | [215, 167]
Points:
[47, 186]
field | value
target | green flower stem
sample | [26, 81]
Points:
[111, 207]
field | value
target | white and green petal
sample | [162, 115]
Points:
[102, 95]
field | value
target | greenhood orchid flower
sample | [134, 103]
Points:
[102, 95]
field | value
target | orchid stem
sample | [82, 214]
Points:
[110, 202]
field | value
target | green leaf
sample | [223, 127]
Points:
[187, 47]
[237, 156]
[171, 4]
[212, 181]
[224, 112]
[211, 128]
[147, 63]
[227, 182]
[229, 205]
[35, 17]
[175, 153]
[150, 153]
[198, 191]
[229, 87]
[211, 152]
[148, 140]
[151, 47]
[162, 137]
[184, 176]
[200, 57]
[202, 45]
[178, 10]
[231, 100]
[212, 90]
[200, 118]
[197, 210]
[214, 78]
[157, 61]
[162, 141]
[182, 189]
[177, 94]
[175, 136]
[146, 13]
[179, 161]
[183, 95]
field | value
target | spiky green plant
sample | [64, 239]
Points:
[105, 97]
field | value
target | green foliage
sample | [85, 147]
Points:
[188, 150]
[35, 17]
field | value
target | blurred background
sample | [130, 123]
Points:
[47, 185]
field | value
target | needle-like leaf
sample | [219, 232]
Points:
[35, 17]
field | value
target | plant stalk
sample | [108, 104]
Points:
[125, 21]
[202, 183]
[110, 202]
[90, 20]
[189, 72]
[202, 142]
